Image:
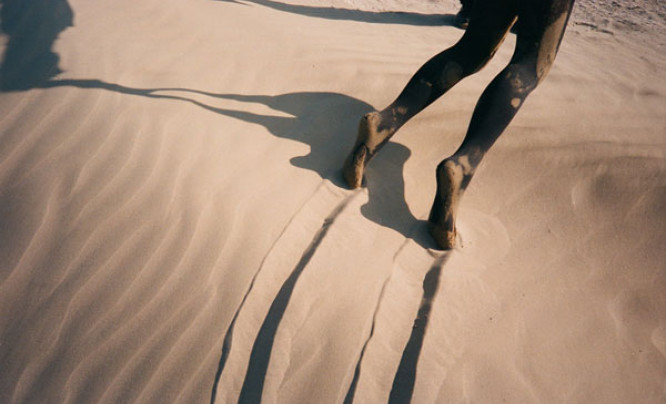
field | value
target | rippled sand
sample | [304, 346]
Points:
[173, 225]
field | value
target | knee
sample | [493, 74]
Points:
[471, 57]
[521, 79]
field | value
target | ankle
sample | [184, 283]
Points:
[371, 131]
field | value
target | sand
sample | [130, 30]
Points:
[174, 228]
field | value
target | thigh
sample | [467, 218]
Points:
[490, 21]
[540, 27]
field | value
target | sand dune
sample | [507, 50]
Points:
[174, 228]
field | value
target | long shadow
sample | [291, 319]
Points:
[33, 26]
[405, 377]
[378, 17]
[386, 190]
[327, 122]
[324, 121]
[252, 389]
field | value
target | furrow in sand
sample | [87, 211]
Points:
[196, 387]
[349, 397]
[460, 311]
[328, 322]
[393, 319]
[261, 351]
[228, 338]
[286, 251]
[405, 377]
[199, 379]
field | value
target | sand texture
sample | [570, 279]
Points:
[174, 227]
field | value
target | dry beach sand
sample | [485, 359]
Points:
[173, 226]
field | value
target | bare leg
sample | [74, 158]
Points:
[491, 22]
[540, 30]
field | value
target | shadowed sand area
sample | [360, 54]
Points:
[174, 225]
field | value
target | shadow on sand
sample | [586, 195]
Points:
[405, 377]
[324, 121]
[32, 27]
[327, 122]
[377, 17]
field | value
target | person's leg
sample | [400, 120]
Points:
[540, 29]
[491, 22]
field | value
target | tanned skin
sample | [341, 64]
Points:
[539, 29]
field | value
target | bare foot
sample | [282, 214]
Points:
[369, 139]
[441, 222]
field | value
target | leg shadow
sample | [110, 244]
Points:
[387, 205]
[327, 122]
[377, 17]
[386, 189]
[255, 376]
[405, 377]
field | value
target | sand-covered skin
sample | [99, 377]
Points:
[174, 226]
